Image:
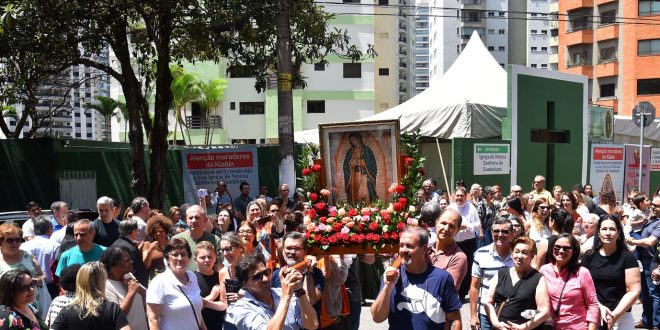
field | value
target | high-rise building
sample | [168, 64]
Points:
[614, 44]
[421, 46]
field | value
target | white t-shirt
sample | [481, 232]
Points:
[58, 236]
[28, 228]
[166, 290]
[115, 292]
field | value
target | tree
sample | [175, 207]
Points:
[147, 36]
[211, 94]
[185, 88]
[107, 108]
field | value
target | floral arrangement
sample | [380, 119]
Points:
[375, 225]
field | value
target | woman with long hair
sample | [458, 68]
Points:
[528, 204]
[89, 309]
[174, 300]
[516, 291]
[616, 271]
[572, 293]
[152, 252]
[514, 207]
[247, 231]
[225, 222]
[539, 228]
[18, 291]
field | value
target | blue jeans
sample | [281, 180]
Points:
[354, 317]
[650, 297]
[485, 322]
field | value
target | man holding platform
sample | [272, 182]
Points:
[419, 296]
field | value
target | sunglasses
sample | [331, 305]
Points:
[245, 231]
[227, 249]
[501, 231]
[26, 288]
[544, 207]
[16, 240]
[559, 248]
[258, 276]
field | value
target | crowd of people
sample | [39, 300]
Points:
[524, 261]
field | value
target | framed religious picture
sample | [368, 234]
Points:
[360, 160]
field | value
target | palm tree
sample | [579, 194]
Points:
[8, 111]
[124, 113]
[185, 88]
[106, 108]
[211, 94]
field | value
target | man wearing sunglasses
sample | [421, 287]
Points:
[539, 189]
[487, 262]
[264, 307]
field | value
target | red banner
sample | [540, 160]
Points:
[604, 153]
[219, 160]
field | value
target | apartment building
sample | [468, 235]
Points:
[617, 45]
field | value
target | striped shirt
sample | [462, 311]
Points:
[486, 264]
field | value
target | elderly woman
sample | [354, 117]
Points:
[209, 285]
[266, 308]
[616, 271]
[12, 257]
[122, 288]
[540, 216]
[589, 227]
[518, 296]
[174, 301]
[89, 309]
[68, 286]
[18, 291]
[152, 252]
[572, 292]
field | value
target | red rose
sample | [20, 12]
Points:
[305, 171]
[332, 240]
[360, 227]
[397, 206]
[422, 172]
[345, 238]
[366, 212]
[408, 161]
[401, 225]
[386, 217]
[375, 238]
[386, 236]
[323, 220]
[373, 226]
[333, 213]
[394, 236]
[360, 238]
[403, 201]
[352, 212]
[316, 168]
[337, 226]
[307, 234]
[311, 214]
[313, 197]
[324, 241]
[354, 238]
[320, 206]
[400, 189]
[317, 237]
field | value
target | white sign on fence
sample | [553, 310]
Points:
[492, 159]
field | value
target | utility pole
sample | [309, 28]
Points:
[285, 94]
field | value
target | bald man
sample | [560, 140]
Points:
[446, 253]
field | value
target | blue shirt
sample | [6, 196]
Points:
[74, 256]
[56, 225]
[319, 280]
[421, 301]
[250, 313]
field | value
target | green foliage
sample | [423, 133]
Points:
[307, 183]
[107, 108]
[412, 180]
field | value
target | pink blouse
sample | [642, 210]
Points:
[579, 303]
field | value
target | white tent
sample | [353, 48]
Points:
[469, 100]
[625, 131]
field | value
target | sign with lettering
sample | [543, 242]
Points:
[607, 168]
[203, 168]
[655, 159]
[632, 167]
[492, 159]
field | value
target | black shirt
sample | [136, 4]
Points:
[106, 233]
[110, 317]
[518, 297]
[608, 272]
[212, 318]
[139, 270]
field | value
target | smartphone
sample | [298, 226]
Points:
[231, 286]
[202, 192]
[263, 220]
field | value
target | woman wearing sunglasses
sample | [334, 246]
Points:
[174, 300]
[539, 228]
[263, 307]
[18, 291]
[572, 293]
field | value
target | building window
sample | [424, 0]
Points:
[535, 31]
[352, 70]
[648, 86]
[491, 31]
[648, 47]
[501, 14]
[89, 135]
[77, 125]
[607, 90]
[500, 48]
[383, 2]
[232, 105]
[500, 31]
[315, 106]
[544, 31]
[251, 108]
[12, 123]
[88, 114]
[608, 17]
[544, 66]
[534, 14]
[88, 125]
[534, 49]
[77, 135]
[649, 7]
[319, 66]
[544, 49]
[351, 1]
[491, 14]
[383, 71]
[491, 48]
[533, 65]
[77, 114]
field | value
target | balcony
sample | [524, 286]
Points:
[194, 122]
[609, 102]
[607, 32]
[553, 41]
[581, 67]
[602, 2]
[473, 4]
[472, 22]
[580, 36]
[577, 4]
[553, 58]
[606, 68]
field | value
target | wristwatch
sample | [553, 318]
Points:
[299, 292]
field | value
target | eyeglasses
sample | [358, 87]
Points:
[539, 181]
[542, 207]
[656, 205]
[258, 276]
[227, 249]
[179, 254]
[245, 231]
[16, 240]
[516, 191]
[274, 210]
[558, 248]
[501, 231]
[26, 288]
[515, 225]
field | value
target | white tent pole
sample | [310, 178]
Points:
[442, 163]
